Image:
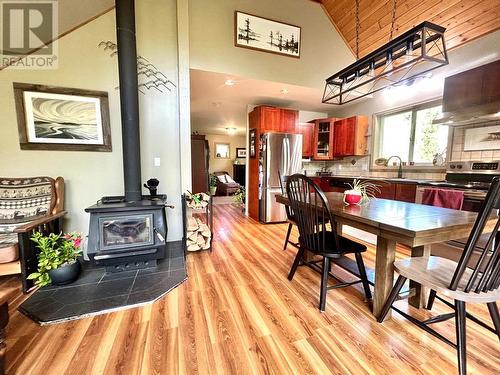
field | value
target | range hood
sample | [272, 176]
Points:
[472, 96]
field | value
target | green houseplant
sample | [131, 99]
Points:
[57, 259]
[360, 192]
[213, 184]
[239, 196]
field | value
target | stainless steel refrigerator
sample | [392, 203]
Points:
[279, 152]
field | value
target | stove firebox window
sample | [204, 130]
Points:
[119, 232]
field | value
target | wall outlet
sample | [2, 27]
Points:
[156, 162]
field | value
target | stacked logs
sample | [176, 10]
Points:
[199, 235]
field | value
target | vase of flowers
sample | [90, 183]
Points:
[360, 192]
[58, 258]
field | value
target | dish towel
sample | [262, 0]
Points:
[443, 198]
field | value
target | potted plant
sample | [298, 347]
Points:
[239, 196]
[58, 258]
[213, 184]
[360, 192]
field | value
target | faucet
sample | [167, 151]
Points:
[400, 170]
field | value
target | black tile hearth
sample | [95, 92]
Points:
[97, 292]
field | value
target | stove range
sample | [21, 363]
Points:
[472, 177]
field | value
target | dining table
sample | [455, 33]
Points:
[394, 222]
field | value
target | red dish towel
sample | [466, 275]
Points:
[443, 198]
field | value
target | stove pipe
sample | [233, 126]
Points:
[129, 100]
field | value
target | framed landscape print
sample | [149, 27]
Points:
[483, 138]
[241, 152]
[266, 35]
[56, 118]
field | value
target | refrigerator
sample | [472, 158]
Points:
[279, 152]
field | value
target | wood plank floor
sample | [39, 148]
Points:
[238, 314]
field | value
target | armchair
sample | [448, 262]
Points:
[27, 205]
[225, 185]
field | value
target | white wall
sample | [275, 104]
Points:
[323, 51]
[90, 175]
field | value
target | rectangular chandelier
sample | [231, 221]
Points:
[401, 61]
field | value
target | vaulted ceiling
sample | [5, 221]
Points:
[464, 20]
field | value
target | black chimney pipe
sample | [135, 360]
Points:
[129, 98]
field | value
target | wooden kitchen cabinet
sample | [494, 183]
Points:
[349, 136]
[307, 131]
[323, 139]
[405, 192]
[478, 86]
[279, 120]
[387, 190]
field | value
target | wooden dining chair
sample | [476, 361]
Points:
[458, 280]
[317, 234]
[289, 214]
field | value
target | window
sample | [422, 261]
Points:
[411, 135]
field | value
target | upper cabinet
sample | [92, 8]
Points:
[349, 136]
[323, 139]
[307, 131]
[278, 120]
[478, 86]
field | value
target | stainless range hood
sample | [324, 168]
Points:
[472, 96]
[470, 115]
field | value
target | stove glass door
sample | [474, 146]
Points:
[120, 232]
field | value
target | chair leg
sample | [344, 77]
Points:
[324, 283]
[298, 258]
[392, 297]
[290, 225]
[362, 273]
[460, 328]
[493, 308]
[430, 301]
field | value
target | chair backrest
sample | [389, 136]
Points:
[485, 275]
[288, 210]
[311, 213]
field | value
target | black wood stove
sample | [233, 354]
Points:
[128, 232]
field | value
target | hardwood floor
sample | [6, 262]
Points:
[238, 314]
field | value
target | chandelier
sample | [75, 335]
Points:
[399, 62]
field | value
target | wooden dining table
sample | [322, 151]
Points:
[415, 225]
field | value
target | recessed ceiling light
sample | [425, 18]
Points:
[231, 130]
[229, 82]
[284, 91]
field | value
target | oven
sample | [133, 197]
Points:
[473, 198]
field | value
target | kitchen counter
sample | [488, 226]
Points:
[386, 179]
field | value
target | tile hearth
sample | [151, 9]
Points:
[97, 292]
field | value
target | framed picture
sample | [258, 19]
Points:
[267, 35]
[241, 152]
[222, 150]
[64, 119]
[483, 138]
[252, 142]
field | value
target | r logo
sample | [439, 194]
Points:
[28, 27]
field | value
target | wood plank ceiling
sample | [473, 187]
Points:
[464, 20]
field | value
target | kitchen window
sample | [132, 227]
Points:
[411, 135]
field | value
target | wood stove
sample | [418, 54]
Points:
[128, 232]
[126, 236]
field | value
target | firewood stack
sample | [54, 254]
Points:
[199, 235]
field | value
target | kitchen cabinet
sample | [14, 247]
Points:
[349, 136]
[279, 120]
[387, 190]
[323, 139]
[405, 192]
[307, 131]
[478, 86]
